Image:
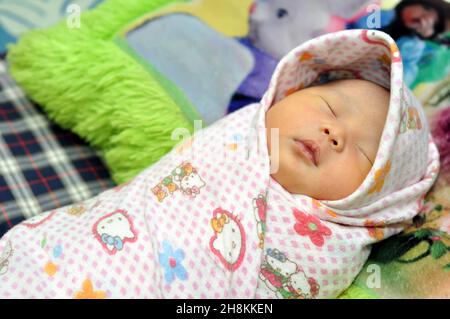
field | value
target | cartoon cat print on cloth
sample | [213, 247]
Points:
[184, 178]
[191, 182]
[4, 258]
[114, 230]
[285, 278]
[228, 241]
[38, 220]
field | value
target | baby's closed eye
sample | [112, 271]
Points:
[364, 154]
[333, 112]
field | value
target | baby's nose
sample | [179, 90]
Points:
[335, 137]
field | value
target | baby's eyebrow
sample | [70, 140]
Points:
[328, 104]
[343, 101]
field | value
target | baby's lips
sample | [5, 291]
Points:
[311, 147]
[315, 148]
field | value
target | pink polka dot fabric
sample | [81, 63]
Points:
[207, 221]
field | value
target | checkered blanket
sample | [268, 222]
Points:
[41, 165]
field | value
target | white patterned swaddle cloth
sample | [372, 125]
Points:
[207, 220]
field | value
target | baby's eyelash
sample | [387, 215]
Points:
[334, 114]
[364, 154]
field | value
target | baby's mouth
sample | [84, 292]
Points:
[309, 149]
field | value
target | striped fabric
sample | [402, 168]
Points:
[41, 165]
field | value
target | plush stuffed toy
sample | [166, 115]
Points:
[277, 26]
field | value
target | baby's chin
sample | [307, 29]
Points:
[311, 190]
[330, 196]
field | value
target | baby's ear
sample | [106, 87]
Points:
[349, 8]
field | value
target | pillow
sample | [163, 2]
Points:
[90, 84]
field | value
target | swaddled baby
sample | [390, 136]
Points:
[281, 199]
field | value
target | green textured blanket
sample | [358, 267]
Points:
[87, 83]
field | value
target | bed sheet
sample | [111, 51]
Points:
[42, 166]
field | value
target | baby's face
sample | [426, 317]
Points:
[328, 137]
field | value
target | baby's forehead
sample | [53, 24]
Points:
[354, 92]
[350, 87]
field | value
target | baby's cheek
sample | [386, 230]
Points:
[340, 180]
[290, 171]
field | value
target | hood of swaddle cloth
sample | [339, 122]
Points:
[407, 160]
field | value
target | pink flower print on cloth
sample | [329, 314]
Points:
[114, 230]
[170, 260]
[309, 225]
[228, 241]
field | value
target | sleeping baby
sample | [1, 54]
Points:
[281, 199]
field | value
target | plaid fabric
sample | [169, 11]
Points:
[41, 165]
